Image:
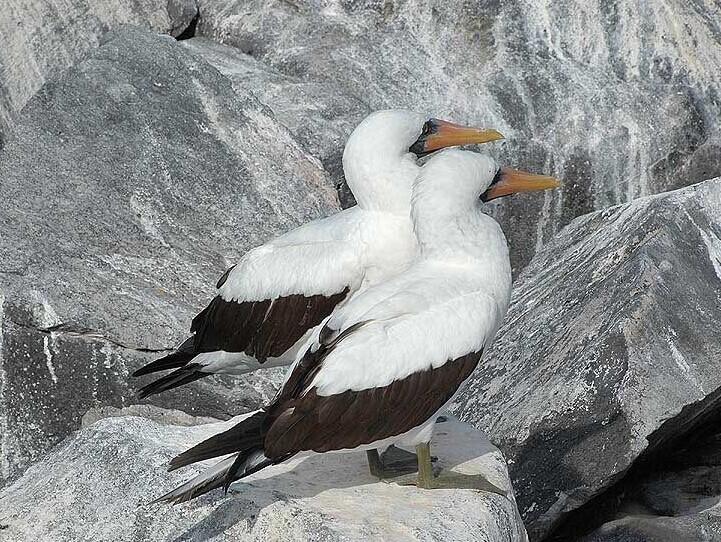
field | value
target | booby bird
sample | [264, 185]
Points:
[381, 367]
[277, 292]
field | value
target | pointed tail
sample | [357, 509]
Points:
[244, 436]
[222, 474]
[182, 355]
[184, 375]
[207, 480]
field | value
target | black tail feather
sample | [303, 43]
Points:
[222, 474]
[180, 357]
[242, 468]
[184, 375]
[210, 479]
[244, 436]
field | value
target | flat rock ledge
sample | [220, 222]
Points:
[94, 486]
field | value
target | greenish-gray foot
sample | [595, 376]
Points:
[454, 480]
[448, 480]
[429, 477]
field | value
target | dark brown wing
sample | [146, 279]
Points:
[349, 419]
[261, 329]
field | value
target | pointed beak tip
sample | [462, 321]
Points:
[495, 135]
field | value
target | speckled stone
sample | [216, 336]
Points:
[41, 39]
[619, 99]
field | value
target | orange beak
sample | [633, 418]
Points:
[439, 134]
[512, 181]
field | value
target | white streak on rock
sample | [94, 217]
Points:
[49, 358]
[4, 436]
[108, 353]
[682, 363]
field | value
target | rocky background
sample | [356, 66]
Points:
[145, 145]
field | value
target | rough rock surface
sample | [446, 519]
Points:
[132, 183]
[618, 99]
[672, 497]
[94, 486]
[701, 527]
[163, 416]
[609, 354]
[320, 114]
[41, 39]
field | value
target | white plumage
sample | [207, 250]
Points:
[352, 248]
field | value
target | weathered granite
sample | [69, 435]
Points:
[609, 353]
[701, 527]
[96, 484]
[41, 39]
[132, 183]
[320, 114]
[619, 100]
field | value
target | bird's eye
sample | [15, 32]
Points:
[427, 127]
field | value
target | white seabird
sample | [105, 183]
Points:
[267, 303]
[379, 369]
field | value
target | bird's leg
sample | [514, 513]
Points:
[425, 468]
[399, 461]
[427, 479]
[374, 463]
[391, 463]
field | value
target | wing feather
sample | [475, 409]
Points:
[347, 420]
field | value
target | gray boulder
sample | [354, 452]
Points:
[609, 357]
[320, 114]
[617, 101]
[41, 39]
[95, 486]
[673, 497]
[132, 183]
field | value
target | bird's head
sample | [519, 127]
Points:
[379, 160]
[458, 178]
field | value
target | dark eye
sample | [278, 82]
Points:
[427, 128]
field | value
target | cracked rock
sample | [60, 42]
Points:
[132, 183]
[111, 469]
[320, 114]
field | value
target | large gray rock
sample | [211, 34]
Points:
[319, 113]
[95, 486]
[132, 183]
[618, 101]
[41, 39]
[609, 355]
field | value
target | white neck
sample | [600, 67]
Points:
[378, 167]
[383, 183]
[464, 237]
